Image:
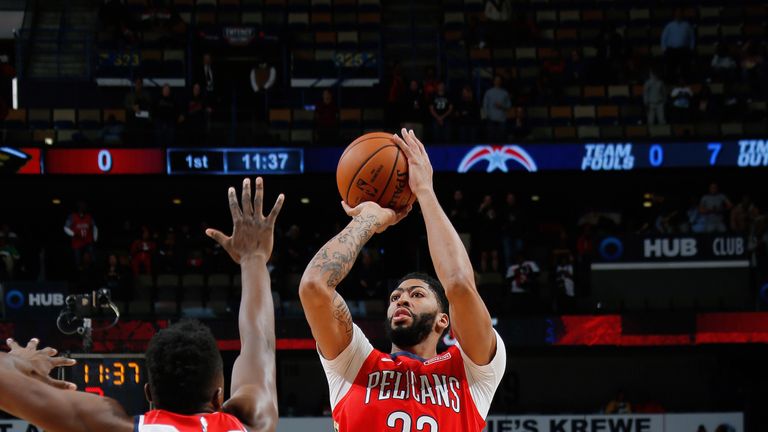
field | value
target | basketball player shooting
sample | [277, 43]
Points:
[186, 379]
[412, 388]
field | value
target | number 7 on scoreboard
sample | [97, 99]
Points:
[715, 149]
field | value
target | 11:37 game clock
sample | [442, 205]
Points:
[118, 376]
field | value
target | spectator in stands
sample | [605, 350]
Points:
[496, 26]
[654, 99]
[138, 104]
[701, 428]
[112, 133]
[713, 206]
[440, 110]
[677, 43]
[142, 252]
[682, 98]
[575, 68]
[743, 215]
[458, 212]
[498, 10]
[724, 67]
[9, 256]
[467, 116]
[486, 240]
[207, 76]
[496, 102]
[618, 405]
[522, 275]
[610, 54]
[327, 120]
[565, 282]
[413, 109]
[513, 227]
[116, 278]
[696, 221]
[167, 115]
[553, 73]
[196, 117]
[169, 256]
[429, 84]
[520, 128]
[81, 228]
[753, 67]
[705, 107]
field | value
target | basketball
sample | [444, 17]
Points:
[373, 168]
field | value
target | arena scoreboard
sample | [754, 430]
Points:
[118, 376]
[239, 161]
[587, 156]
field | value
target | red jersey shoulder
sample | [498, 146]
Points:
[168, 422]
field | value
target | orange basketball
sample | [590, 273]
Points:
[373, 168]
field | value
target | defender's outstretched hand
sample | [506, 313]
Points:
[419, 167]
[38, 364]
[253, 233]
[381, 217]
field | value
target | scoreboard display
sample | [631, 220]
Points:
[118, 376]
[104, 161]
[587, 156]
[240, 161]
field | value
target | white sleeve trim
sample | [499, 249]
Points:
[484, 380]
[342, 371]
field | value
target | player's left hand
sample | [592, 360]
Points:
[38, 363]
[419, 167]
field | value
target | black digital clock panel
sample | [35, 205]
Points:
[236, 161]
[118, 376]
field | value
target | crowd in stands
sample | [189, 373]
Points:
[516, 246]
[531, 73]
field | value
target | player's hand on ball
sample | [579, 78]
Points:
[38, 363]
[384, 217]
[419, 167]
[253, 233]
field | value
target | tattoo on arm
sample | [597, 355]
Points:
[336, 258]
[341, 313]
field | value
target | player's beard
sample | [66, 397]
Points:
[412, 335]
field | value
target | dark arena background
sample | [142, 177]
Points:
[604, 161]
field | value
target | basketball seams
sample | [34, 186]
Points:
[370, 136]
[389, 179]
[362, 165]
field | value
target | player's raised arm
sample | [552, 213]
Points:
[28, 392]
[325, 309]
[254, 392]
[470, 319]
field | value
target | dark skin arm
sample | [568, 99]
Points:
[254, 392]
[49, 403]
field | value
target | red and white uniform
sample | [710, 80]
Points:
[82, 229]
[164, 421]
[374, 391]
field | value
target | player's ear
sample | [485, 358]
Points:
[148, 394]
[218, 399]
[443, 321]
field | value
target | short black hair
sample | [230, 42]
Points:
[433, 284]
[183, 363]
